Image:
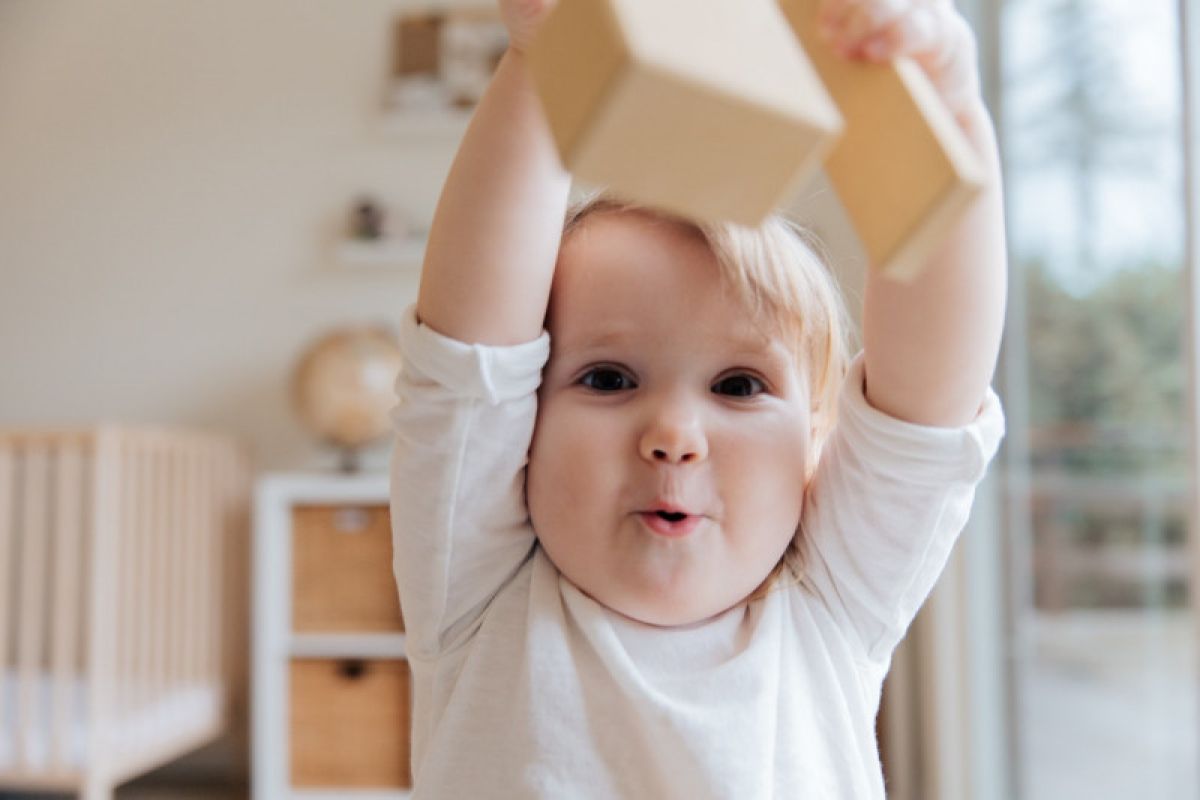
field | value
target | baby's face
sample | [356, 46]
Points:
[660, 396]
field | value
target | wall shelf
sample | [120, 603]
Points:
[389, 254]
[447, 124]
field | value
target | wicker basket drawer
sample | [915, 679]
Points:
[350, 722]
[342, 570]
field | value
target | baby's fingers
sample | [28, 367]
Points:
[523, 18]
[929, 33]
[850, 23]
[883, 29]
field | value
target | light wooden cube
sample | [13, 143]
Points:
[707, 108]
[903, 169]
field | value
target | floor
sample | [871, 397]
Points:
[142, 790]
[155, 789]
[203, 775]
[1110, 709]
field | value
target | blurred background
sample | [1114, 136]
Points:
[192, 193]
[1097, 485]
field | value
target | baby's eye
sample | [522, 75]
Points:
[607, 379]
[739, 386]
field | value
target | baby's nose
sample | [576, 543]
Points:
[674, 455]
[676, 439]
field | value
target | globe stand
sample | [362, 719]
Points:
[349, 460]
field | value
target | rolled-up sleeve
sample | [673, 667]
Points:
[463, 422]
[884, 510]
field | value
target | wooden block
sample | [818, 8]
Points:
[903, 169]
[350, 723]
[707, 108]
[342, 578]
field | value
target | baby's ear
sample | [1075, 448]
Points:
[817, 434]
[810, 465]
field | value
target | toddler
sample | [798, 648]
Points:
[656, 534]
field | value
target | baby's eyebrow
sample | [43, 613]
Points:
[608, 337]
[752, 342]
[774, 354]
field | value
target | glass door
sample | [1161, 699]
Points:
[1095, 378]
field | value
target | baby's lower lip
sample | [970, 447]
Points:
[665, 527]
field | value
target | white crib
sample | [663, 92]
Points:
[122, 605]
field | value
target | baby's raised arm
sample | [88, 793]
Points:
[930, 346]
[495, 235]
[466, 398]
[891, 498]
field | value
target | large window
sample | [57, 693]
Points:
[1095, 379]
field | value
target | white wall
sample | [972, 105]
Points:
[172, 178]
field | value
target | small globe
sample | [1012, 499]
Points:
[343, 387]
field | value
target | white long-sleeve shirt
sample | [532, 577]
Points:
[525, 687]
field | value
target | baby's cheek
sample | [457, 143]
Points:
[780, 469]
[560, 453]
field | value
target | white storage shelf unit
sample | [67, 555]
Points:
[331, 687]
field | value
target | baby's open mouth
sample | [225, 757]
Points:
[673, 524]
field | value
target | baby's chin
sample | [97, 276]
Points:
[661, 609]
[670, 617]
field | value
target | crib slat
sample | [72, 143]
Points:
[126, 534]
[187, 536]
[236, 574]
[211, 531]
[193, 505]
[157, 573]
[129, 612]
[104, 491]
[220, 571]
[167, 560]
[199, 586]
[203, 485]
[195, 550]
[143, 579]
[176, 532]
[159, 589]
[68, 496]
[234, 556]
[7, 473]
[31, 617]
[223, 582]
[149, 576]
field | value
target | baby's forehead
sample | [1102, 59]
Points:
[617, 232]
[578, 334]
[620, 271]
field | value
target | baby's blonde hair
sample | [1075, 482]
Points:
[775, 273]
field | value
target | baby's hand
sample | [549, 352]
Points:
[522, 18]
[931, 32]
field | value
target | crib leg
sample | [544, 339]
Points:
[96, 787]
